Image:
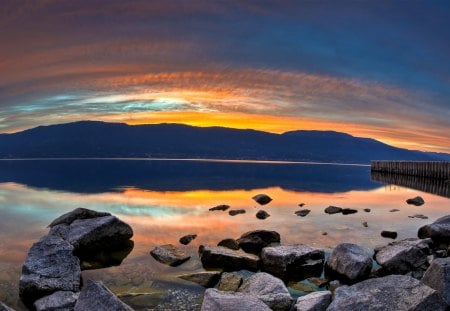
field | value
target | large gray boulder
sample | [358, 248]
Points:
[49, 267]
[4, 307]
[349, 262]
[403, 256]
[228, 259]
[437, 277]
[215, 300]
[58, 301]
[78, 213]
[389, 293]
[317, 301]
[293, 261]
[170, 255]
[95, 296]
[255, 241]
[438, 231]
[269, 289]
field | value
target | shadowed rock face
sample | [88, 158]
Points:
[255, 241]
[227, 259]
[95, 296]
[230, 301]
[4, 307]
[438, 231]
[390, 293]
[438, 277]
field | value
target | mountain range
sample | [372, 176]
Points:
[95, 139]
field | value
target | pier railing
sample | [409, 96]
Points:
[437, 170]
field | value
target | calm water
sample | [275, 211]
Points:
[164, 200]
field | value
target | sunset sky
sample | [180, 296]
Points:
[377, 69]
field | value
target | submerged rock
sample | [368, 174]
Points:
[221, 207]
[185, 240]
[227, 259]
[438, 231]
[417, 201]
[317, 301]
[302, 212]
[349, 262]
[262, 199]
[389, 234]
[390, 293]
[170, 255]
[255, 241]
[60, 300]
[269, 289]
[230, 281]
[205, 279]
[333, 210]
[229, 243]
[235, 212]
[215, 300]
[262, 214]
[294, 261]
[78, 213]
[96, 296]
[438, 277]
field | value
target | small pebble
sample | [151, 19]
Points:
[365, 224]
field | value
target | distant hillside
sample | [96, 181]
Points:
[100, 139]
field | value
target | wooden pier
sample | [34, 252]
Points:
[436, 170]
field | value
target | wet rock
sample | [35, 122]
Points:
[400, 257]
[318, 301]
[389, 234]
[367, 210]
[262, 199]
[301, 204]
[60, 300]
[235, 212]
[390, 293]
[185, 240]
[262, 214]
[96, 296]
[230, 282]
[365, 224]
[421, 216]
[394, 210]
[78, 213]
[227, 259]
[170, 255]
[4, 307]
[349, 262]
[333, 210]
[255, 241]
[221, 207]
[205, 279]
[294, 261]
[417, 201]
[347, 211]
[437, 277]
[49, 267]
[229, 243]
[230, 301]
[319, 282]
[269, 289]
[324, 233]
[303, 212]
[439, 230]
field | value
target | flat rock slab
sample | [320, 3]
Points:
[49, 267]
[78, 213]
[255, 241]
[227, 259]
[349, 262]
[61, 300]
[417, 201]
[403, 256]
[292, 261]
[170, 255]
[215, 300]
[439, 230]
[437, 277]
[317, 301]
[230, 282]
[390, 293]
[333, 210]
[185, 240]
[96, 296]
[269, 289]
[262, 199]
[205, 279]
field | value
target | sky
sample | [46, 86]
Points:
[378, 69]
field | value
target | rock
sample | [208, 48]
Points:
[255, 241]
[349, 262]
[347, 211]
[319, 282]
[78, 213]
[389, 293]
[333, 285]
[235, 212]
[295, 261]
[441, 253]
[221, 207]
[205, 279]
[333, 210]
[170, 255]
[439, 230]
[262, 199]
[417, 201]
[394, 210]
[421, 216]
[365, 224]
[262, 214]
[229, 243]
[105, 257]
[227, 259]
[230, 282]
[301, 204]
[400, 257]
[318, 301]
[215, 300]
[49, 267]
[269, 289]
[185, 240]
[437, 277]
[367, 210]
[60, 300]
[4, 307]
[302, 212]
[95, 296]
[389, 234]
[324, 233]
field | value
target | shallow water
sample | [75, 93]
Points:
[164, 200]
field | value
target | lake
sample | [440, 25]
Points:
[164, 200]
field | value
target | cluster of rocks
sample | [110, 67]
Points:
[79, 240]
